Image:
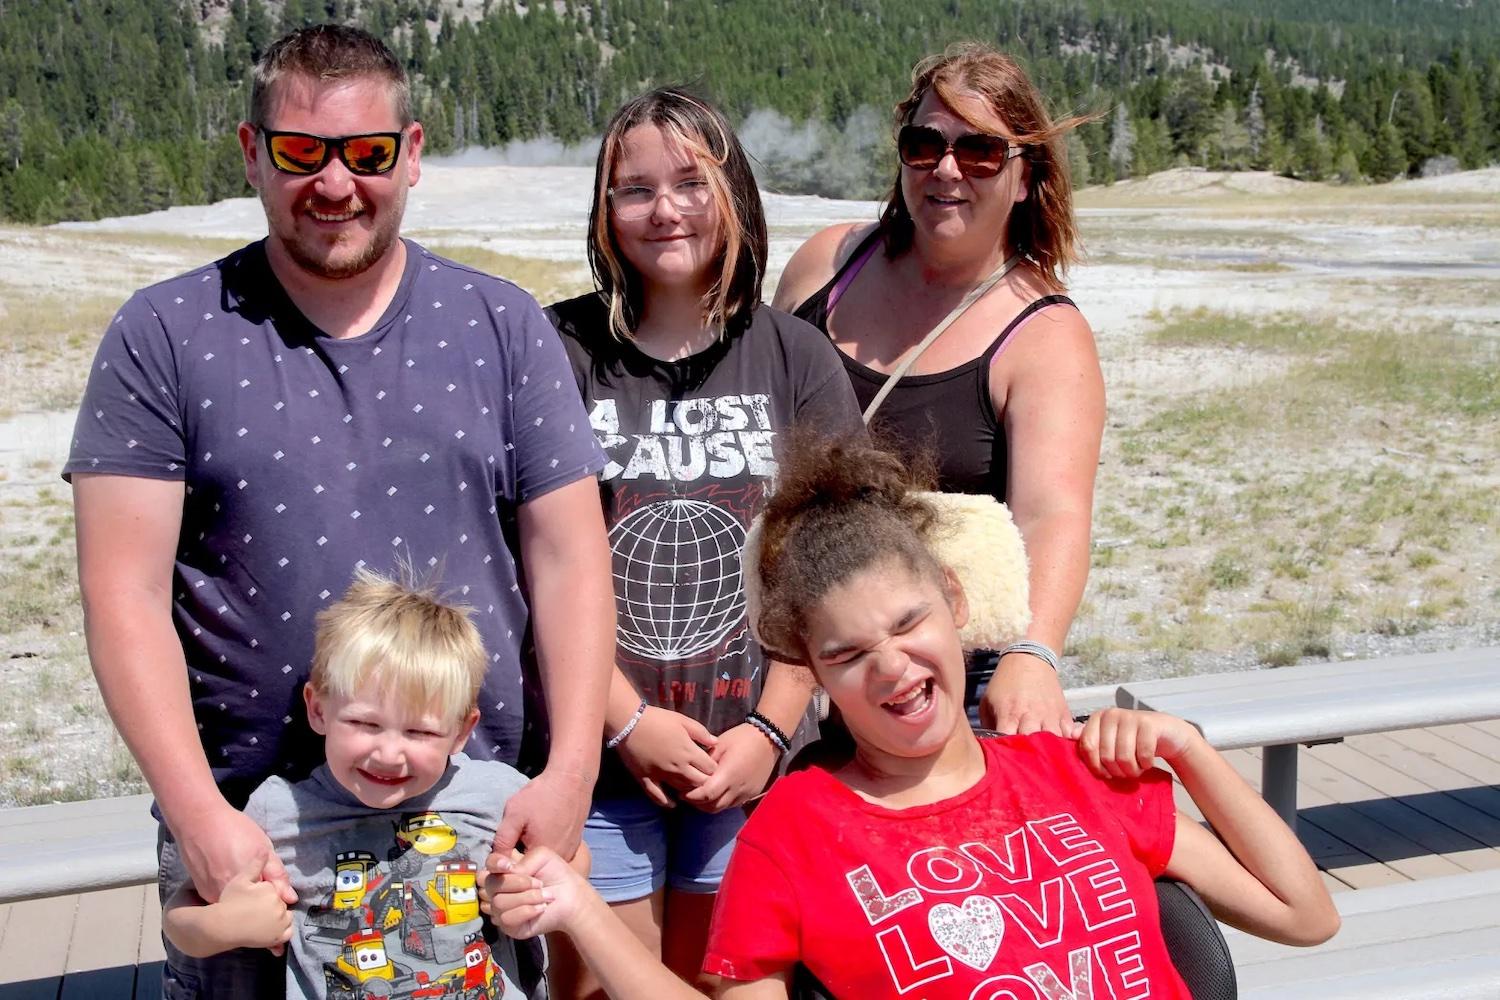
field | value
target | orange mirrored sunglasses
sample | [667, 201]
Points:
[301, 153]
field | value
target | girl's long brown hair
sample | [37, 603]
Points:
[741, 258]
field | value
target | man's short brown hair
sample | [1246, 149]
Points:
[328, 52]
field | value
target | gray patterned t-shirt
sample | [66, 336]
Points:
[306, 456]
[387, 901]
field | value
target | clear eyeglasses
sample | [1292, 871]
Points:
[636, 201]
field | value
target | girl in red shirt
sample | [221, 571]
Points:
[928, 862]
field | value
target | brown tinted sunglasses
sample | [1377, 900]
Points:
[977, 154]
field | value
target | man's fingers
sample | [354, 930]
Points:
[252, 869]
[508, 833]
[274, 871]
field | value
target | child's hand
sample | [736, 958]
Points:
[668, 748]
[746, 760]
[254, 909]
[537, 894]
[1122, 743]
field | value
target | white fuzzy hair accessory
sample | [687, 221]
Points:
[976, 538]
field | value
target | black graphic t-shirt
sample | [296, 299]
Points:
[691, 455]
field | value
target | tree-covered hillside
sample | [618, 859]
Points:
[109, 107]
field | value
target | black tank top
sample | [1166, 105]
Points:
[949, 413]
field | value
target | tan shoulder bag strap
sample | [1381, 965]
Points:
[916, 352]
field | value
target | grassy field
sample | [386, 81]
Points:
[1350, 490]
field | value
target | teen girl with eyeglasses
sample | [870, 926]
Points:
[1009, 396]
[688, 379]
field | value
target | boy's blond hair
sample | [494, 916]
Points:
[398, 636]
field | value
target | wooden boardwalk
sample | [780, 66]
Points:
[1374, 810]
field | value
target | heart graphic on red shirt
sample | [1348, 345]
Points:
[970, 933]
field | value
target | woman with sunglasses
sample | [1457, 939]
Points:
[688, 380]
[978, 231]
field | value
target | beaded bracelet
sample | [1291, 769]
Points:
[619, 737]
[1039, 650]
[772, 732]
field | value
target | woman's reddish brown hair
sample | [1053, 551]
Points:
[1042, 227]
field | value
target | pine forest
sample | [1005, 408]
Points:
[112, 107]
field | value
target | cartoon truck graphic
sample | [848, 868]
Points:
[454, 892]
[364, 971]
[351, 876]
[426, 832]
[362, 968]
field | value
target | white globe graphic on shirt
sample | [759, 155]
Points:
[678, 588]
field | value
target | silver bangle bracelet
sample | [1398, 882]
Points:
[619, 737]
[1039, 650]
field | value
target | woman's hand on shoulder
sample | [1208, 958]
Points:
[816, 261]
[1024, 696]
[1124, 743]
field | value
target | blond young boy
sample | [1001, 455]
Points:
[382, 843]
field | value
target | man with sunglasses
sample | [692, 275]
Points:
[330, 398]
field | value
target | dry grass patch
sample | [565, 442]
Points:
[1351, 493]
[547, 280]
[56, 741]
[47, 341]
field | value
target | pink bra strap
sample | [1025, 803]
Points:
[850, 270]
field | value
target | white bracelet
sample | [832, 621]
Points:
[619, 737]
[1037, 649]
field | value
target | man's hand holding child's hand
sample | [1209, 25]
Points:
[256, 910]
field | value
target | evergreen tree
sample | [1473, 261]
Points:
[1387, 158]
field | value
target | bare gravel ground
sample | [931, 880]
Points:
[1300, 463]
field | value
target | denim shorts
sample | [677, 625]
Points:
[637, 847]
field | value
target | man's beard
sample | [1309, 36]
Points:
[326, 265]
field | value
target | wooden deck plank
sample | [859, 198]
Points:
[106, 931]
[36, 940]
[1418, 772]
[148, 981]
[1491, 726]
[1416, 832]
[1481, 769]
[151, 949]
[1471, 737]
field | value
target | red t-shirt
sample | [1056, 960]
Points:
[1035, 884]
